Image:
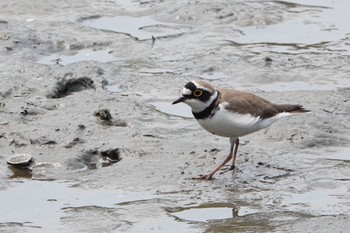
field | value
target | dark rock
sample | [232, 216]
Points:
[42, 141]
[104, 117]
[94, 158]
[112, 155]
[66, 87]
[103, 114]
[74, 142]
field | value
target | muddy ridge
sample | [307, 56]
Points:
[86, 92]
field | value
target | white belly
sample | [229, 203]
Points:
[228, 124]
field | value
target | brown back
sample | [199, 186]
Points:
[248, 103]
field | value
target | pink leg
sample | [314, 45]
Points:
[234, 155]
[228, 158]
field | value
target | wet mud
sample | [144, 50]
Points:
[86, 90]
[66, 87]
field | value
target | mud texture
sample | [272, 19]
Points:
[86, 90]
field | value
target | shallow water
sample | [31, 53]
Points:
[175, 110]
[324, 22]
[213, 212]
[103, 55]
[141, 28]
[291, 177]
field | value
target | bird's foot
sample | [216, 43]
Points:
[231, 168]
[203, 177]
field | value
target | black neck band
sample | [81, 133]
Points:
[206, 112]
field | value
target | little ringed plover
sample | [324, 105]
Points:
[232, 113]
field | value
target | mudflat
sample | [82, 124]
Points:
[86, 90]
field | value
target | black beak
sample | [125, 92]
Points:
[181, 99]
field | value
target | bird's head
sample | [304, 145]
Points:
[198, 95]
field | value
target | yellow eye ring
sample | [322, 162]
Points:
[197, 93]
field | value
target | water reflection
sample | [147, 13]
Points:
[181, 110]
[21, 172]
[322, 24]
[141, 28]
[103, 55]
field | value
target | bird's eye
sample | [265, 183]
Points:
[197, 93]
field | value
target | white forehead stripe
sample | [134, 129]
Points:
[186, 91]
[200, 86]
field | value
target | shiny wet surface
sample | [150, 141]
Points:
[291, 177]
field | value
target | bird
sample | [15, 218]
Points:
[232, 113]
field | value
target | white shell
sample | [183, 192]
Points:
[20, 160]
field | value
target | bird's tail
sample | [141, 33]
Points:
[291, 108]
